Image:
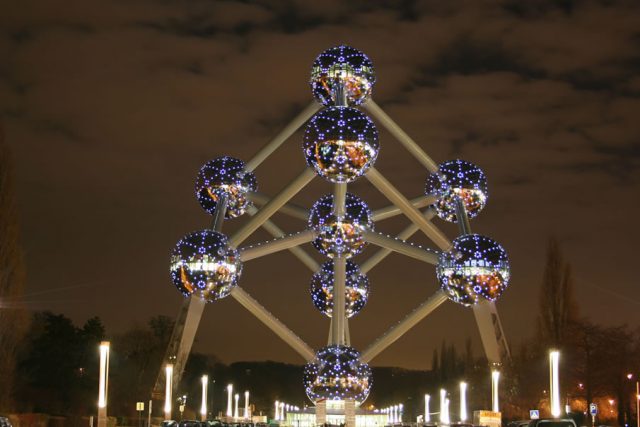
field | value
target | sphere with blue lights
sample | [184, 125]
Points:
[342, 67]
[341, 143]
[475, 269]
[356, 289]
[340, 236]
[203, 264]
[225, 175]
[337, 373]
[457, 179]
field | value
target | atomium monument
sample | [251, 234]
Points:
[341, 145]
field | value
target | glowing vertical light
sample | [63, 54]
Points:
[554, 359]
[277, 416]
[495, 383]
[427, 411]
[168, 390]
[229, 394]
[447, 417]
[104, 374]
[246, 404]
[443, 411]
[205, 386]
[282, 411]
[235, 408]
[463, 401]
[400, 411]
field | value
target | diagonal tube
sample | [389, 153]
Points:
[278, 244]
[270, 208]
[401, 328]
[401, 136]
[339, 313]
[462, 217]
[284, 134]
[272, 323]
[376, 258]
[292, 210]
[395, 197]
[401, 246]
[393, 210]
[339, 199]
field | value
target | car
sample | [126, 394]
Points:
[4, 422]
[553, 422]
[169, 423]
[519, 423]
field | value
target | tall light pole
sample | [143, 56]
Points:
[463, 401]
[229, 407]
[246, 404]
[235, 408]
[444, 415]
[168, 390]
[203, 407]
[495, 394]
[427, 412]
[554, 381]
[277, 414]
[103, 386]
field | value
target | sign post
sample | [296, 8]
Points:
[534, 414]
[593, 410]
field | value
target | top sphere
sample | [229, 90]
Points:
[341, 143]
[475, 269]
[225, 175]
[337, 373]
[457, 179]
[346, 66]
[203, 264]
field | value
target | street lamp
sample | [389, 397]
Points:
[229, 393]
[168, 391]
[246, 404]
[463, 401]
[104, 384]
[235, 410]
[427, 412]
[554, 360]
[495, 395]
[203, 407]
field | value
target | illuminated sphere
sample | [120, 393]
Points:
[475, 269]
[356, 289]
[225, 175]
[457, 178]
[203, 264]
[342, 65]
[340, 236]
[341, 143]
[337, 373]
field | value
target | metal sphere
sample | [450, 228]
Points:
[341, 143]
[356, 289]
[203, 264]
[345, 66]
[337, 373]
[457, 179]
[225, 175]
[475, 269]
[340, 236]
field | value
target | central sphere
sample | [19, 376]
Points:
[457, 179]
[356, 289]
[344, 66]
[337, 373]
[475, 269]
[340, 236]
[225, 175]
[341, 143]
[203, 264]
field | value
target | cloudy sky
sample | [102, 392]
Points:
[111, 106]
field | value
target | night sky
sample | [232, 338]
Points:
[111, 107]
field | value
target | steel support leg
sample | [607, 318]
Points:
[491, 333]
[276, 245]
[338, 314]
[292, 210]
[393, 210]
[402, 247]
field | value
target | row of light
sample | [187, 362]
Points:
[394, 413]
[281, 408]
[236, 397]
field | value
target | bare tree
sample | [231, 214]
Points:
[558, 310]
[13, 319]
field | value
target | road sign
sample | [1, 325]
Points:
[534, 414]
[140, 406]
[593, 409]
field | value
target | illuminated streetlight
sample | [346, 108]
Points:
[168, 390]
[427, 412]
[103, 384]
[203, 407]
[229, 407]
[246, 404]
[277, 414]
[444, 416]
[235, 408]
[463, 401]
[554, 360]
[495, 394]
